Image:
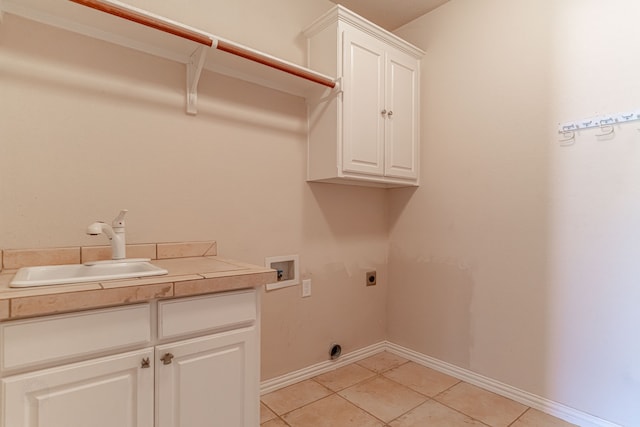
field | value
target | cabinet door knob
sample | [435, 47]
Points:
[146, 363]
[166, 359]
[390, 113]
[383, 112]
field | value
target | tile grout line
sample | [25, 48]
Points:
[356, 405]
[269, 408]
[362, 409]
[406, 412]
[432, 398]
[351, 385]
[337, 392]
[520, 416]
[467, 415]
[407, 387]
[428, 398]
[302, 406]
[380, 374]
[459, 411]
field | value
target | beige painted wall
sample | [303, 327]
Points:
[515, 258]
[88, 128]
[518, 258]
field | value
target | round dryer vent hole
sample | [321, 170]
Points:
[335, 351]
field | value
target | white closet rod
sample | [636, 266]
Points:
[177, 30]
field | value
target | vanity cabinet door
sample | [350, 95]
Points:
[209, 381]
[106, 392]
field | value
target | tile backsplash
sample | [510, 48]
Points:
[186, 249]
[98, 253]
[17, 258]
[11, 259]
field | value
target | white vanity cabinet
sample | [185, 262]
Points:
[368, 132]
[184, 362]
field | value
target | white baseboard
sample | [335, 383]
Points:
[545, 405]
[320, 368]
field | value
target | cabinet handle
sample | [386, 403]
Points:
[166, 359]
[146, 363]
[390, 113]
[383, 112]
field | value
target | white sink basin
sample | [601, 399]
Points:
[90, 272]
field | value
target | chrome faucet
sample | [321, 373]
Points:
[115, 233]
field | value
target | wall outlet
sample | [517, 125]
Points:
[306, 288]
[371, 278]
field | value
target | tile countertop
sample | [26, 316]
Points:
[187, 276]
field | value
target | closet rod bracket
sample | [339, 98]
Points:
[194, 69]
[328, 94]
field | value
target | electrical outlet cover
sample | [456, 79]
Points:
[306, 288]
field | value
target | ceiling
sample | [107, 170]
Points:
[391, 14]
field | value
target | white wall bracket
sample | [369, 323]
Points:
[194, 69]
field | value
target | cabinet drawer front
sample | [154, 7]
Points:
[52, 338]
[199, 314]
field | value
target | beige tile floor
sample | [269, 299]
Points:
[386, 390]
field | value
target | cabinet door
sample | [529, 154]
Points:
[402, 138]
[363, 103]
[106, 392]
[211, 381]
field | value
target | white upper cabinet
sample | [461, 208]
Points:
[367, 132]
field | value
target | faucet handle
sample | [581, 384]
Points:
[119, 220]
